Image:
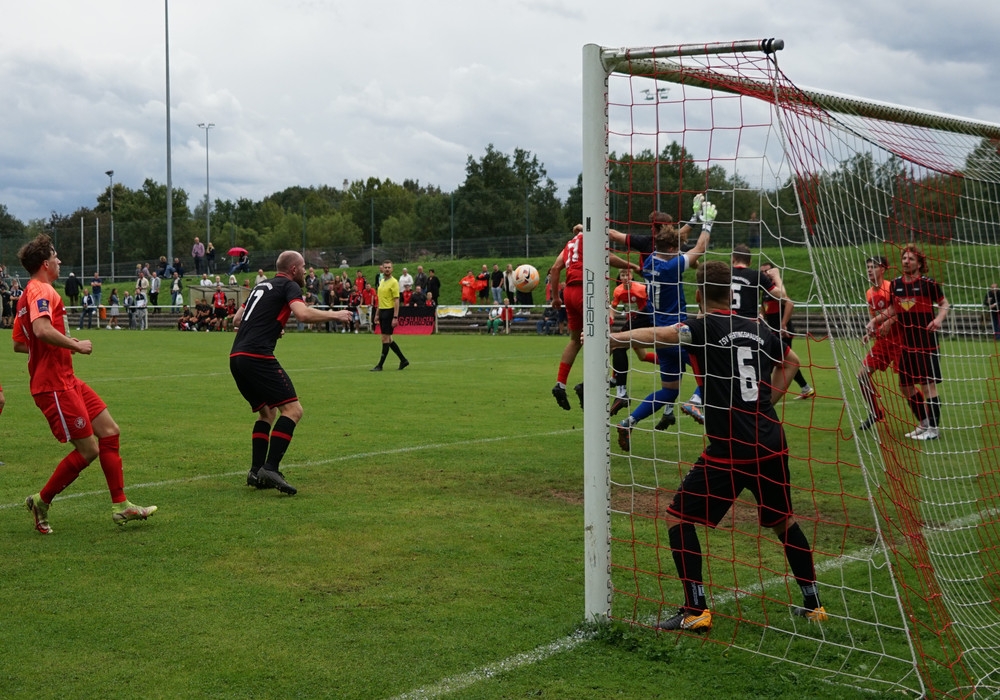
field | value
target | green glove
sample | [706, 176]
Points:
[696, 209]
[708, 213]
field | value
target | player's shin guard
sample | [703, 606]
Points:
[281, 436]
[686, 551]
[933, 407]
[800, 561]
[111, 465]
[258, 444]
[65, 474]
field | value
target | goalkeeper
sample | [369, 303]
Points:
[664, 270]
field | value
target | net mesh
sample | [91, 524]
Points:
[905, 532]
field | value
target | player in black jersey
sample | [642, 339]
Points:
[777, 309]
[261, 380]
[742, 363]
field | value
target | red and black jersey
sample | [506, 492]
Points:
[264, 316]
[736, 356]
[914, 304]
[747, 285]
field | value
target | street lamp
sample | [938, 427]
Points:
[208, 205]
[111, 194]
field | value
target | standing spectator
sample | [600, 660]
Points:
[508, 284]
[405, 281]
[914, 296]
[483, 285]
[420, 279]
[209, 258]
[176, 291]
[141, 322]
[313, 284]
[95, 289]
[369, 300]
[219, 303]
[86, 311]
[326, 284]
[8, 306]
[433, 288]
[388, 313]
[496, 284]
[468, 288]
[154, 291]
[73, 289]
[746, 449]
[198, 255]
[75, 412]
[129, 302]
[258, 375]
[992, 304]
[419, 297]
[113, 310]
[359, 281]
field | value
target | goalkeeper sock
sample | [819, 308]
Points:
[916, 402]
[933, 406]
[800, 561]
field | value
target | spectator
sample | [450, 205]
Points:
[95, 289]
[353, 302]
[483, 285]
[992, 304]
[326, 284]
[369, 300]
[176, 291]
[405, 281]
[154, 292]
[205, 281]
[359, 281]
[140, 309]
[86, 311]
[198, 255]
[548, 322]
[261, 277]
[496, 284]
[494, 322]
[468, 288]
[420, 279]
[508, 284]
[8, 307]
[113, 310]
[73, 289]
[343, 264]
[313, 284]
[433, 287]
[178, 268]
[219, 303]
[418, 298]
[209, 258]
[129, 302]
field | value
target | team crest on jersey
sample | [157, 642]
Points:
[79, 422]
[907, 304]
[43, 306]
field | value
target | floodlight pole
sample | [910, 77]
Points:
[208, 205]
[111, 207]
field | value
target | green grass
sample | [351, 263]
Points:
[436, 541]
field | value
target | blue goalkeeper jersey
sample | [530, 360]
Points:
[666, 292]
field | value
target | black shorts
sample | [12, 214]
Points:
[635, 321]
[385, 320]
[708, 491]
[220, 312]
[262, 381]
[919, 366]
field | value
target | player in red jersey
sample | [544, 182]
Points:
[885, 352]
[75, 412]
[571, 259]
[914, 296]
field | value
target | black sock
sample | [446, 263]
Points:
[933, 406]
[916, 402]
[801, 380]
[800, 560]
[259, 442]
[385, 353]
[619, 362]
[281, 436]
[687, 558]
[395, 349]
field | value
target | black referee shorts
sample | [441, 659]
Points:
[262, 381]
[385, 320]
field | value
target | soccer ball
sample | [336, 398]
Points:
[525, 278]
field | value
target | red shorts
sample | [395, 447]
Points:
[883, 353]
[573, 301]
[70, 412]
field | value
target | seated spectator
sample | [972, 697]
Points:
[548, 322]
[506, 316]
[495, 322]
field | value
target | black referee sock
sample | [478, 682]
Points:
[395, 349]
[933, 405]
[800, 560]
[259, 442]
[687, 558]
[385, 353]
[281, 436]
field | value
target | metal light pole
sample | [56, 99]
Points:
[170, 181]
[111, 194]
[208, 201]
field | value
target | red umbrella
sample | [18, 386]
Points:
[235, 251]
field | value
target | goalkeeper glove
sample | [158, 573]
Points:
[696, 209]
[708, 214]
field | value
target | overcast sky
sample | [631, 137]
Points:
[313, 92]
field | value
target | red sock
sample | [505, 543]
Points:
[563, 372]
[650, 357]
[111, 464]
[64, 475]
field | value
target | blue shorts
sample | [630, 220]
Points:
[672, 361]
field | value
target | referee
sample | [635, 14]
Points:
[261, 380]
[388, 315]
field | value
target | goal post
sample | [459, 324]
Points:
[905, 531]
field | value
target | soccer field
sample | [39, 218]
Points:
[435, 547]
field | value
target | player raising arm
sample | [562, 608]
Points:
[746, 447]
